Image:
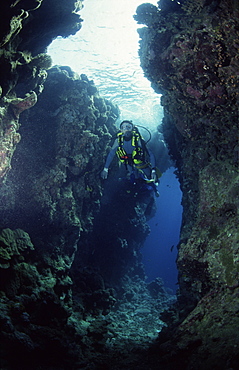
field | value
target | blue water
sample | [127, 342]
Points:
[159, 255]
[106, 50]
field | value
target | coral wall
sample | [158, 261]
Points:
[27, 28]
[189, 51]
[58, 243]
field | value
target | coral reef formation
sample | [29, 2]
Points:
[72, 286]
[24, 62]
[67, 284]
[189, 51]
[12, 244]
[9, 116]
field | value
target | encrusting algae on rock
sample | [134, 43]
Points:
[13, 244]
[9, 137]
[193, 63]
[18, 105]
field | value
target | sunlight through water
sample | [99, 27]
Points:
[106, 50]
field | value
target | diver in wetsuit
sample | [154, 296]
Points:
[133, 153]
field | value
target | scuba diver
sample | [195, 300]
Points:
[132, 151]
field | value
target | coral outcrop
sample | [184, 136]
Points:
[67, 284]
[189, 51]
[13, 243]
[24, 62]
[9, 113]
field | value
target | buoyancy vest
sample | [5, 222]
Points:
[137, 157]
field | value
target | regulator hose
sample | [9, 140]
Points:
[150, 136]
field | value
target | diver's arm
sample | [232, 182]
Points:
[154, 175]
[110, 156]
[151, 158]
[151, 154]
[152, 162]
